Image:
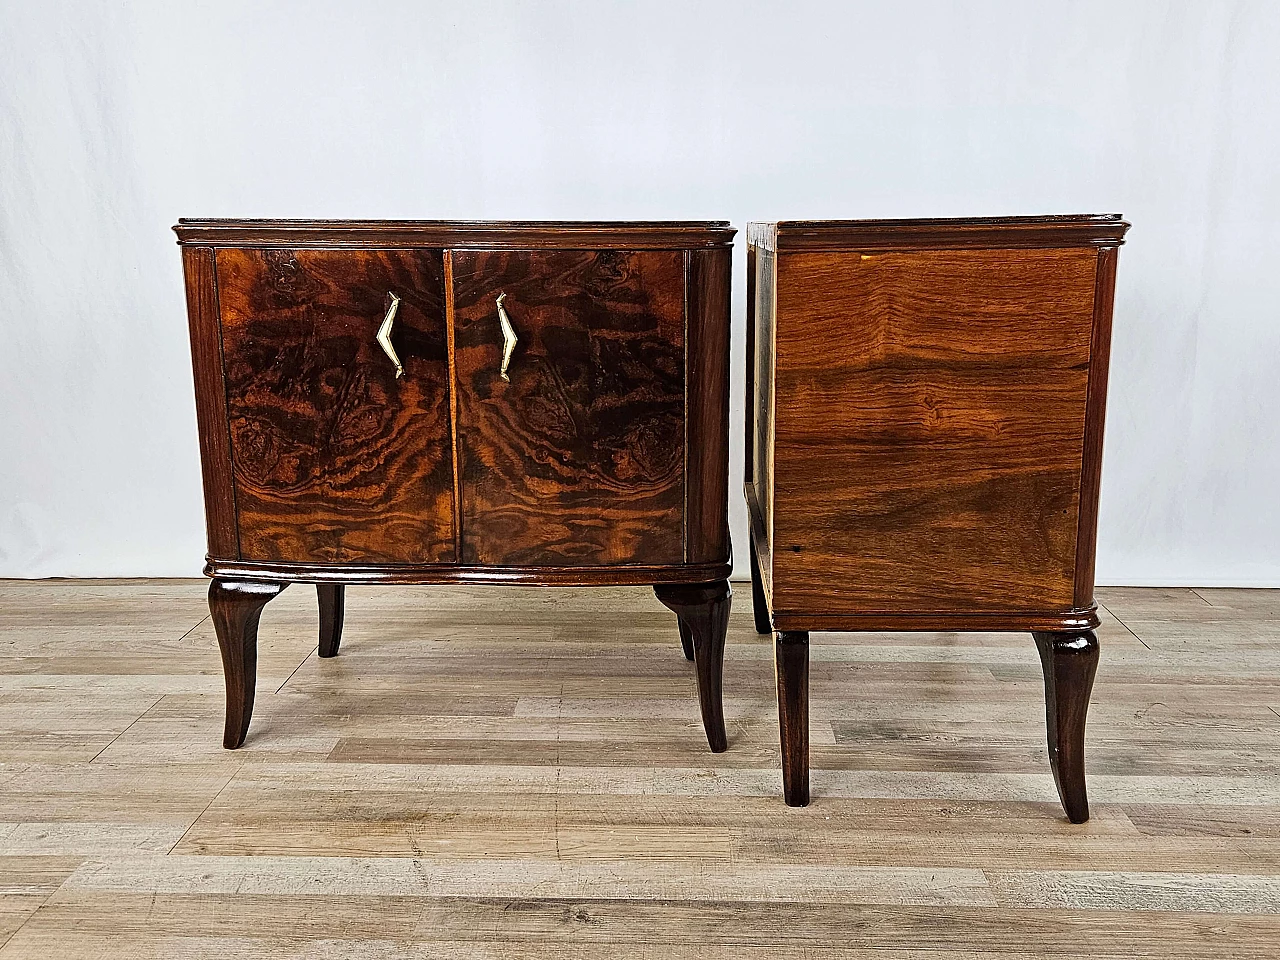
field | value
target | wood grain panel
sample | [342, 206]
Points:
[710, 276]
[211, 403]
[579, 459]
[929, 430]
[337, 460]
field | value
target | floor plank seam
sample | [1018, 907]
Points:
[129, 727]
[295, 670]
[214, 799]
[1127, 628]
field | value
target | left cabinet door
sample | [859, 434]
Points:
[336, 459]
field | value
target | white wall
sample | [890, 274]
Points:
[117, 118]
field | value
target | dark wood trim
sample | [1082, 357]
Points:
[200, 273]
[1095, 413]
[617, 575]
[453, 404]
[456, 234]
[709, 280]
[749, 390]
[954, 620]
[951, 233]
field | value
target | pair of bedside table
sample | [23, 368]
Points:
[547, 403]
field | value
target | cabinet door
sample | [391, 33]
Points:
[578, 458]
[335, 459]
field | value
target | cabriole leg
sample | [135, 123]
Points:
[1070, 661]
[236, 607]
[704, 609]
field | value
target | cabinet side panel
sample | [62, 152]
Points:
[749, 389]
[930, 429]
[1095, 416]
[762, 428]
[707, 404]
[211, 403]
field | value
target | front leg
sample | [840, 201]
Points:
[704, 609]
[236, 606]
[1070, 661]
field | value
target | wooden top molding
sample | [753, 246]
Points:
[457, 234]
[1100, 230]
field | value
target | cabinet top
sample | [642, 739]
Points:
[1072, 230]
[475, 234]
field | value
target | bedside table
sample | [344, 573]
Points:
[924, 443]
[444, 402]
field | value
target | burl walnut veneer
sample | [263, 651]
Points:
[432, 402]
[924, 442]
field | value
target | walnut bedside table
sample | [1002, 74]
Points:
[445, 402]
[924, 443]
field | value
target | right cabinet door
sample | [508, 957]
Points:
[577, 457]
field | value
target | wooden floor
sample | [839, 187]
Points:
[520, 773]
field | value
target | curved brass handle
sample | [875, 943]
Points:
[509, 338]
[384, 333]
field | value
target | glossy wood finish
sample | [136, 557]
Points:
[457, 234]
[710, 278]
[211, 403]
[1095, 417]
[436, 574]
[704, 610]
[947, 233]
[927, 435]
[236, 607]
[336, 459]
[517, 773]
[579, 459]
[791, 664]
[944, 425]
[331, 601]
[1069, 661]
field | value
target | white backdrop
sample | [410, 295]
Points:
[115, 119]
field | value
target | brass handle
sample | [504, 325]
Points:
[509, 338]
[384, 333]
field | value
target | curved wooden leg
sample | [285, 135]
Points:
[330, 596]
[236, 607]
[1070, 661]
[686, 639]
[791, 656]
[759, 605]
[704, 608]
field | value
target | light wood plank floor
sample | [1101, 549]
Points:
[521, 773]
